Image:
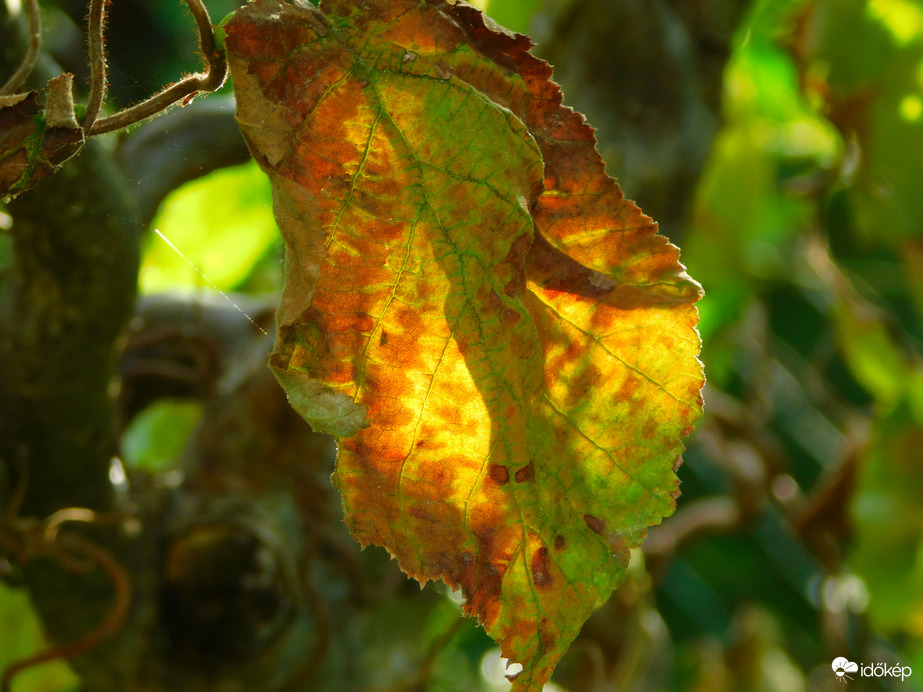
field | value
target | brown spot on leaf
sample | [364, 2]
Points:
[546, 637]
[560, 543]
[596, 524]
[383, 339]
[515, 260]
[419, 512]
[526, 474]
[628, 388]
[620, 551]
[583, 384]
[449, 414]
[500, 474]
[541, 569]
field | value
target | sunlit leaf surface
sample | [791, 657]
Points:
[504, 345]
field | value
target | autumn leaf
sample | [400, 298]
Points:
[503, 344]
[36, 139]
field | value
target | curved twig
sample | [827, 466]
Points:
[28, 62]
[54, 522]
[708, 515]
[185, 144]
[206, 34]
[207, 81]
[324, 629]
[110, 625]
[97, 46]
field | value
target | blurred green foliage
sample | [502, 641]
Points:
[156, 436]
[224, 227]
[515, 15]
[21, 636]
[806, 235]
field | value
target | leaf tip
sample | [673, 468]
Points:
[324, 409]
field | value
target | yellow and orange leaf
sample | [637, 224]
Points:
[504, 345]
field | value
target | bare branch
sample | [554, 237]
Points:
[207, 81]
[96, 30]
[28, 62]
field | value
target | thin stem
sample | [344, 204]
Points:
[35, 42]
[207, 81]
[206, 34]
[96, 30]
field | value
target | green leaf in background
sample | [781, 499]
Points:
[745, 220]
[871, 353]
[515, 15]
[20, 637]
[889, 548]
[871, 87]
[223, 223]
[158, 434]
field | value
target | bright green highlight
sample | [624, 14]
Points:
[21, 636]
[222, 223]
[911, 108]
[155, 438]
[903, 18]
[515, 15]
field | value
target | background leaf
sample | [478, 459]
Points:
[222, 223]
